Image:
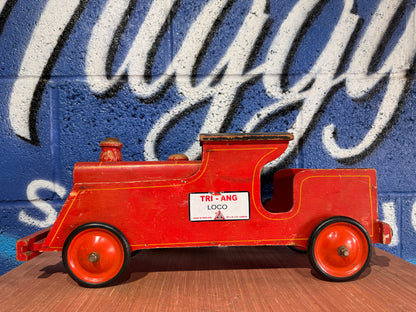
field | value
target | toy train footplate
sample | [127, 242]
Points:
[118, 207]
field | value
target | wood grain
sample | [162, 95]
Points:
[213, 279]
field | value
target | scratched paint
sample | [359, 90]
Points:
[336, 74]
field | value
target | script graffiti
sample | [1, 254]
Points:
[389, 212]
[354, 58]
[43, 206]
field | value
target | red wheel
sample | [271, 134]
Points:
[96, 254]
[339, 249]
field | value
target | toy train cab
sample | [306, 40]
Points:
[117, 207]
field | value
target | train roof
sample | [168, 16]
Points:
[259, 136]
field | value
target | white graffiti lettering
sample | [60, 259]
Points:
[389, 213]
[32, 195]
[396, 65]
[413, 216]
[220, 87]
[36, 66]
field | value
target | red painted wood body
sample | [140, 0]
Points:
[149, 201]
[158, 204]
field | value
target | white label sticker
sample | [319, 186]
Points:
[219, 206]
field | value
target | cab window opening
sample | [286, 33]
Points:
[277, 190]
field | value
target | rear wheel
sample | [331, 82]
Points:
[339, 249]
[96, 254]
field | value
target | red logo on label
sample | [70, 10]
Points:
[219, 216]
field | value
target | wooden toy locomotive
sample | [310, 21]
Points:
[117, 207]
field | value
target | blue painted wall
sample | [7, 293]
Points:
[337, 74]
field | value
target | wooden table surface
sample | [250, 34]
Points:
[213, 279]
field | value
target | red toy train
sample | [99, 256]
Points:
[117, 207]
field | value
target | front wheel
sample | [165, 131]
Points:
[96, 254]
[339, 249]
